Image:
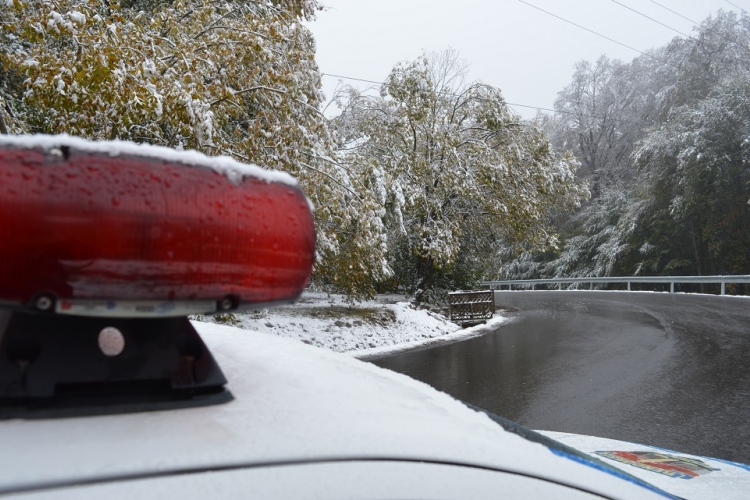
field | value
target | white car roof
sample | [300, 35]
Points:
[360, 480]
[293, 404]
[716, 479]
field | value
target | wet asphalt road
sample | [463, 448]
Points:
[667, 370]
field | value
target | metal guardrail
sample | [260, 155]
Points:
[471, 307]
[723, 280]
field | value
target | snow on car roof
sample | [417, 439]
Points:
[234, 171]
[293, 403]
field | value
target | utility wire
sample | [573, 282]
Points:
[353, 78]
[380, 84]
[722, 35]
[600, 35]
[584, 28]
[735, 5]
[675, 13]
[696, 40]
[453, 95]
[652, 19]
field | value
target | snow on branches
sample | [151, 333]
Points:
[212, 76]
[456, 164]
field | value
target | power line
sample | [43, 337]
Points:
[600, 35]
[652, 19]
[352, 78]
[675, 13]
[722, 35]
[380, 84]
[584, 28]
[557, 111]
[735, 5]
[669, 27]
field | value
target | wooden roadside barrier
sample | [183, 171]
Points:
[471, 307]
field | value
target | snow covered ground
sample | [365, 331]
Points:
[365, 330]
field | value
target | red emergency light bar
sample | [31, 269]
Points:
[119, 229]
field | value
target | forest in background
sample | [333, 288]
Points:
[663, 143]
[434, 183]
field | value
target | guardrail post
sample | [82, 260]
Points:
[723, 287]
[591, 285]
[671, 287]
[628, 286]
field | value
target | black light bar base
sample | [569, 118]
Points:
[52, 366]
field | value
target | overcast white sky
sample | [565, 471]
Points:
[528, 54]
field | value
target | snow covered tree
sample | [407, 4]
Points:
[234, 77]
[456, 168]
[217, 77]
[602, 114]
[698, 165]
[694, 161]
[661, 143]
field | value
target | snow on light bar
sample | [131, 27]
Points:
[126, 230]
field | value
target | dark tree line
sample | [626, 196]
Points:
[664, 145]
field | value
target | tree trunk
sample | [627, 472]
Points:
[3, 128]
[425, 272]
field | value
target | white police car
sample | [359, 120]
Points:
[107, 391]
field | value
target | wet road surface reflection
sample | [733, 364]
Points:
[666, 370]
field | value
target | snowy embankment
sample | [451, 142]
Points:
[364, 330]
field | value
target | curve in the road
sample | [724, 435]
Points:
[670, 370]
